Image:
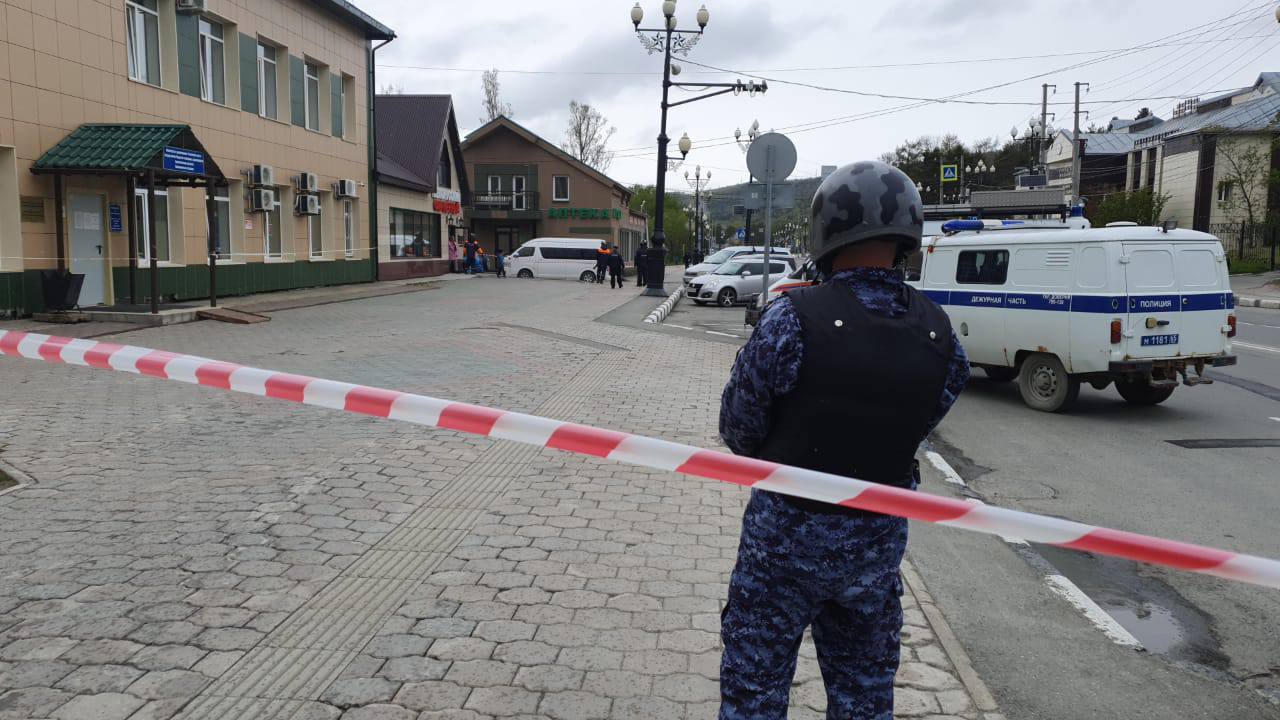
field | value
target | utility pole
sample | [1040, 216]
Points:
[1044, 126]
[1075, 149]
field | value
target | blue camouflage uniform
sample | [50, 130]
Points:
[835, 571]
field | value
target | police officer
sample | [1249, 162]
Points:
[845, 377]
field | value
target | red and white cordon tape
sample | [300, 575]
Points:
[642, 451]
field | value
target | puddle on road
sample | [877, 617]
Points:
[1149, 608]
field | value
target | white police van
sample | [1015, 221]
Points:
[1138, 306]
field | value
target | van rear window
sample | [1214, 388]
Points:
[1150, 269]
[1198, 268]
[982, 267]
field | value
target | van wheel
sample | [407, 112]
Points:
[587, 277]
[727, 297]
[526, 274]
[1000, 374]
[1045, 384]
[1139, 392]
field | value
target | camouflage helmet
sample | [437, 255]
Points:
[865, 201]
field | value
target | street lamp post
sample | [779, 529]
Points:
[697, 183]
[670, 40]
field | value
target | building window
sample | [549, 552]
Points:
[337, 104]
[560, 188]
[982, 267]
[142, 21]
[213, 77]
[267, 96]
[222, 209]
[1225, 189]
[315, 234]
[349, 227]
[495, 184]
[519, 201]
[272, 229]
[414, 234]
[162, 225]
[312, 94]
[444, 173]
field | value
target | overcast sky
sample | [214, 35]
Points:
[586, 50]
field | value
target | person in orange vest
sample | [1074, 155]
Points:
[602, 262]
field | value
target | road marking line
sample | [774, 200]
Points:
[682, 327]
[948, 473]
[1070, 592]
[1277, 419]
[713, 332]
[1251, 346]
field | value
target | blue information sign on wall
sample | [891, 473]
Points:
[117, 221]
[186, 161]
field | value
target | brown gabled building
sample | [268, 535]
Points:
[527, 187]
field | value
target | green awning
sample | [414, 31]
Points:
[101, 148]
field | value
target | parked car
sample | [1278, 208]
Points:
[1140, 307]
[725, 255]
[738, 280]
[556, 259]
[803, 276]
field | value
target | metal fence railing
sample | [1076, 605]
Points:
[1249, 246]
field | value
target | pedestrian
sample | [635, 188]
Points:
[602, 262]
[453, 255]
[686, 261]
[471, 249]
[616, 266]
[500, 263]
[641, 258]
[845, 377]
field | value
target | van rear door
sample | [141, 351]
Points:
[1155, 303]
[1202, 278]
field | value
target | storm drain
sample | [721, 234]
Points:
[1214, 444]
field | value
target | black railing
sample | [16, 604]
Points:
[1249, 246]
[502, 201]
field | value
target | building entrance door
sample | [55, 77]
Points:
[507, 239]
[88, 247]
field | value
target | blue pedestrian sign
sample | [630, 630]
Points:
[742, 233]
[950, 173]
[185, 161]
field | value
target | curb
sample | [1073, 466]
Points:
[982, 698]
[661, 312]
[1268, 303]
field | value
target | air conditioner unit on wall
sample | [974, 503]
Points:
[262, 200]
[346, 189]
[263, 175]
[307, 205]
[308, 182]
[191, 6]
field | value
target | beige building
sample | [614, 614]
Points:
[250, 116]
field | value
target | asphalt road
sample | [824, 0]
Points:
[710, 319]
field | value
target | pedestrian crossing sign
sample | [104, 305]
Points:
[950, 173]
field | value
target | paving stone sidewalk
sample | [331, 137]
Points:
[184, 552]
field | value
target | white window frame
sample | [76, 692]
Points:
[224, 197]
[555, 195]
[207, 47]
[315, 222]
[311, 73]
[519, 200]
[1225, 189]
[268, 67]
[342, 103]
[349, 227]
[266, 229]
[495, 185]
[136, 42]
[144, 229]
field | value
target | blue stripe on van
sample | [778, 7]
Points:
[1101, 304]
[977, 299]
[1155, 303]
[1205, 301]
[1039, 301]
[1107, 304]
[942, 297]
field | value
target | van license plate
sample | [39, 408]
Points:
[1158, 340]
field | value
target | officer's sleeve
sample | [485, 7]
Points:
[767, 367]
[957, 379]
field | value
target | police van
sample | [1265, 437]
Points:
[1146, 308]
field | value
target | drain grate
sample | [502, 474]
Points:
[1214, 444]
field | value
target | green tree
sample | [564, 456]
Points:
[1144, 207]
[676, 221]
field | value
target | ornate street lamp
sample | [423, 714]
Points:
[697, 183]
[670, 40]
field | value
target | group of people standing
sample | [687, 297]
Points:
[474, 259]
[609, 260]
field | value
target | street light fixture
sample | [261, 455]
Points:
[669, 40]
[697, 183]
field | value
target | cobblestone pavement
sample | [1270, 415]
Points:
[185, 552]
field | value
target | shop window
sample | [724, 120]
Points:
[213, 77]
[161, 209]
[142, 20]
[982, 267]
[414, 234]
[311, 92]
[560, 188]
[268, 98]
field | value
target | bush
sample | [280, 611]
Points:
[1240, 266]
[1143, 207]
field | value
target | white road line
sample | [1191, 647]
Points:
[713, 332]
[682, 327]
[1251, 346]
[1096, 615]
[1276, 419]
[1058, 583]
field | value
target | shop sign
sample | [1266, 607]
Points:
[584, 214]
[448, 202]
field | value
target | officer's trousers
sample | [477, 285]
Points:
[835, 572]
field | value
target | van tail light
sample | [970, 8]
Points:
[1116, 332]
[1231, 323]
